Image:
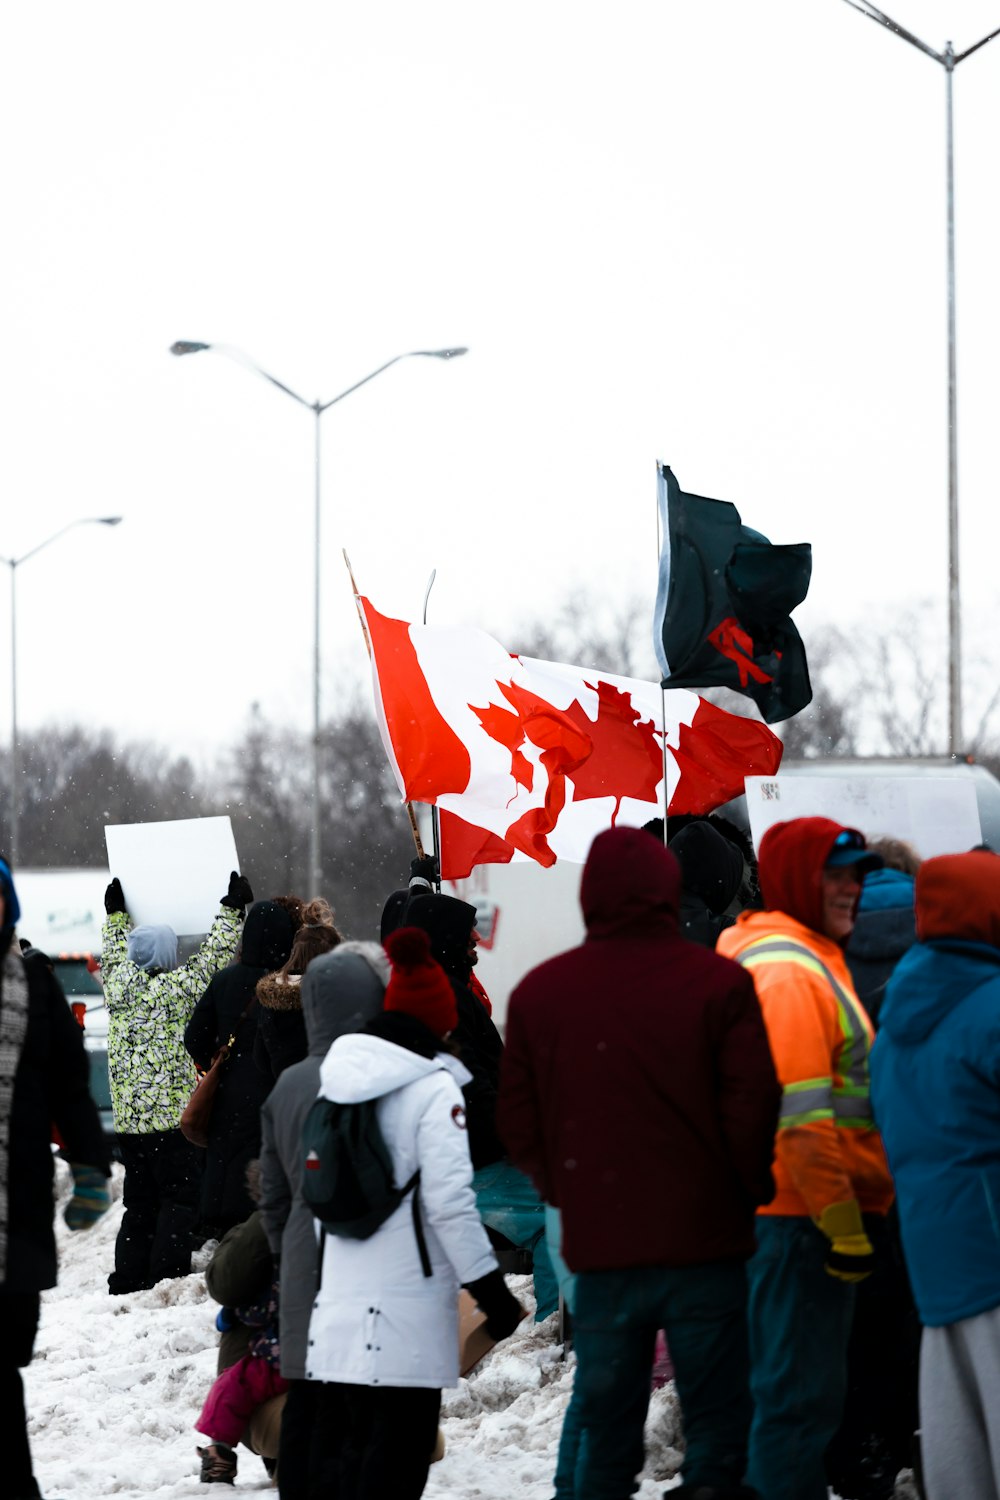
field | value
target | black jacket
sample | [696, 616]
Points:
[50, 1087]
[234, 1130]
[281, 1029]
[448, 923]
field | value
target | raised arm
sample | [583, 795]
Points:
[189, 982]
[116, 968]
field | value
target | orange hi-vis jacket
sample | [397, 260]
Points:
[827, 1148]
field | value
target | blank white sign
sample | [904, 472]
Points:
[175, 872]
[936, 814]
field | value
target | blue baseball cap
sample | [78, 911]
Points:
[849, 849]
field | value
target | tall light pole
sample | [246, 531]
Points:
[13, 564]
[949, 60]
[188, 346]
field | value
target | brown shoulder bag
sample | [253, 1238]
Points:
[198, 1111]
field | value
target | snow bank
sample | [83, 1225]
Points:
[117, 1382]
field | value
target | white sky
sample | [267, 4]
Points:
[707, 233]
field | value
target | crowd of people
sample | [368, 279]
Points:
[692, 1133]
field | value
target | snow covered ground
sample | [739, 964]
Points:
[117, 1382]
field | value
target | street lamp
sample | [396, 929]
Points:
[189, 346]
[949, 60]
[13, 564]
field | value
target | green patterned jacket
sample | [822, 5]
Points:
[151, 1073]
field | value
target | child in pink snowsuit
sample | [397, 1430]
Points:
[240, 1390]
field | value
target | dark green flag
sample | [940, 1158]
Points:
[723, 604]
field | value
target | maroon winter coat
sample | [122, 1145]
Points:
[637, 1087]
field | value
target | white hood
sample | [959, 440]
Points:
[359, 1066]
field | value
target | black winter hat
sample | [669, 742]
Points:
[448, 923]
[711, 867]
[393, 913]
[267, 936]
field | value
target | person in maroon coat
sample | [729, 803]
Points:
[638, 1091]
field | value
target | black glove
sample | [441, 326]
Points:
[424, 870]
[239, 894]
[502, 1309]
[114, 897]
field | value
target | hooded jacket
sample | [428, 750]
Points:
[150, 1071]
[378, 1320]
[827, 1148]
[341, 992]
[883, 931]
[637, 1088]
[234, 1127]
[936, 1089]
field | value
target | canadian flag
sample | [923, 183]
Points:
[531, 759]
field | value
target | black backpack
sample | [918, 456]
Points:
[347, 1177]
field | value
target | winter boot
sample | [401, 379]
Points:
[218, 1464]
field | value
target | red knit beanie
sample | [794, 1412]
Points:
[418, 985]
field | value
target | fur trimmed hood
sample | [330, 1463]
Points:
[277, 992]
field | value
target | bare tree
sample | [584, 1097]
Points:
[73, 781]
[828, 725]
[589, 632]
[367, 845]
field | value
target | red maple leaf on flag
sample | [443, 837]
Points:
[508, 730]
[626, 758]
[617, 755]
[565, 745]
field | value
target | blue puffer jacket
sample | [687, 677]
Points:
[935, 1089]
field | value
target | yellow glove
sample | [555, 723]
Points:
[850, 1256]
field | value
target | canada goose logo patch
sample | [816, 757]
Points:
[458, 1115]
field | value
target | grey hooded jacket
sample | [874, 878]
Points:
[341, 992]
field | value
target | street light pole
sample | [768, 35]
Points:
[13, 563]
[949, 60]
[190, 346]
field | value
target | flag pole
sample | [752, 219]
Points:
[663, 691]
[435, 814]
[368, 647]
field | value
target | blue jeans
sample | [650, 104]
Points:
[800, 1323]
[618, 1313]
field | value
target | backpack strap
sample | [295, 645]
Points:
[418, 1226]
[321, 1253]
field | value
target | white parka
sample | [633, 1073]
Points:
[377, 1320]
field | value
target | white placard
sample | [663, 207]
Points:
[62, 910]
[175, 872]
[936, 814]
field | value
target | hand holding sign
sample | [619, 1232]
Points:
[239, 894]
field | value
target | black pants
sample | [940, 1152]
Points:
[19, 1322]
[308, 1465]
[162, 1179]
[356, 1442]
[881, 1414]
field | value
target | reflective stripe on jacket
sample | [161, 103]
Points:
[827, 1149]
[841, 1096]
